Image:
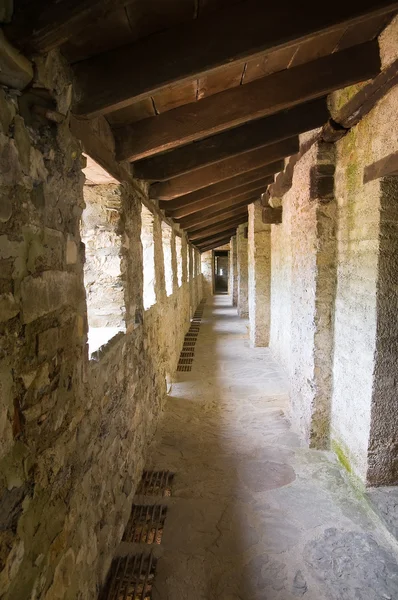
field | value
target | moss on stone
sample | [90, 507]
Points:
[342, 455]
[342, 97]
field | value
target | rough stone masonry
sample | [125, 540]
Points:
[73, 432]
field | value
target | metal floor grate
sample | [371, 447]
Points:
[146, 524]
[155, 483]
[185, 361]
[187, 354]
[184, 368]
[131, 578]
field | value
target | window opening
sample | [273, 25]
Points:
[103, 279]
[148, 258]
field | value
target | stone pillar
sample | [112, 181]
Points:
[184, 259]
[160, 282]
[313, 284]
[207, 271]
[383, 438]
[382, 468]
[174, 262]
[234, 268]
[242, 262]
[259, 253]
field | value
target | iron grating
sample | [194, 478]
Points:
[146, 524]
[185, 361]
[187, 354]
[155, 483]
[131, 578]
[184, 368]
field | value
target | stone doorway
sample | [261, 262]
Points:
[221, 271]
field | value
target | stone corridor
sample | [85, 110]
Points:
[254, 514]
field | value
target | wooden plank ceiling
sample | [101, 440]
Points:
[206, 98]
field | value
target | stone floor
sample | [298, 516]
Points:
[255, 515]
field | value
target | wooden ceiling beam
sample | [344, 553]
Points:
[221, 200]
[223, 186]
[216, 244]
[41, 26]
[235, 106]
[219, 209]
[216, 238]
[201, 178]
[221, 226]
[256, 134]
[214, 220]
[191, 50]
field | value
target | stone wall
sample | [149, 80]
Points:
[364, 327]
[259, 267]
[310, 266]
[73, 432]
[333, 296]
[242, 269]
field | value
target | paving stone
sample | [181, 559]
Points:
[251, 504]
[352, 564]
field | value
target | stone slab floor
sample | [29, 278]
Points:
[254, 514]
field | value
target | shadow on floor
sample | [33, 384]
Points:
[254, 515]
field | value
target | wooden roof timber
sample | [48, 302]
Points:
[215, 244]
[201, 178]
[221, 208]
[235, 106]
[214, 220]
[213, 238]
[40, 26]
[207, 241]
[221, 226]
[261, 132]
[119, 77]
[223, 186]
[212, 204]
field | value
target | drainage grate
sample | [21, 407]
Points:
[131, 578]
[187, 354]
[185, 361]
[184, 368]
[146, 524]
[155, 483]
[188, 345]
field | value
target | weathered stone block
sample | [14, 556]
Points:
[272, 216]
[46, 250]
[322, 182]
[47, 342]
[9, 307]
[50, 291]
[71, 252]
